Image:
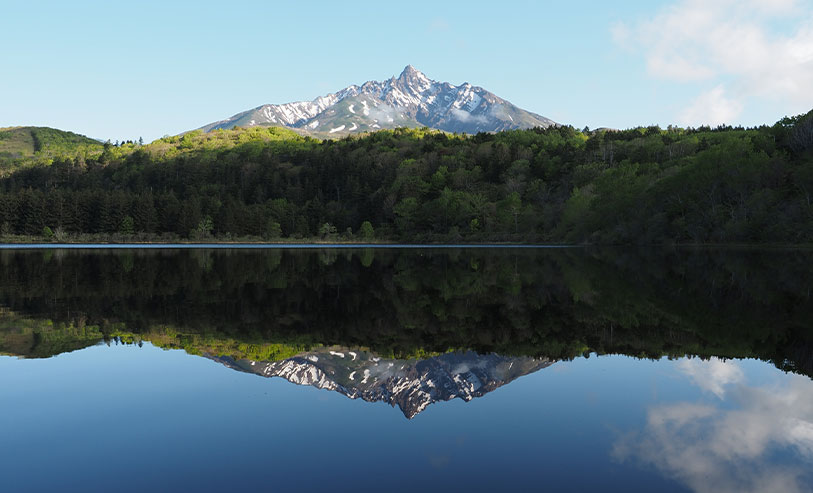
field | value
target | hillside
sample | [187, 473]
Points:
[18, 144]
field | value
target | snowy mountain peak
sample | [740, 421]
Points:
[414, 81]
[410, 100]
[412, 75]
[410, 70]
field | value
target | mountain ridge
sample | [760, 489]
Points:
[409, 100]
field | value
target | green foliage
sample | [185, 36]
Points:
[366, 231]
[28, 146]
[644, 185]
[274, 230]
[127, 226]
[204, 229]
[327, 231]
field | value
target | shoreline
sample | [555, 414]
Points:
[266, 246]
[310, 245]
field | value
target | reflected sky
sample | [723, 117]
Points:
[757, 435]
[133, 418]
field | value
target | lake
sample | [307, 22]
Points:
[561, 369]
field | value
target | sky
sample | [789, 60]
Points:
[123, 70]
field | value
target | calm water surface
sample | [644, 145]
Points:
[438, 369]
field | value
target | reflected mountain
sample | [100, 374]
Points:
[411, 384]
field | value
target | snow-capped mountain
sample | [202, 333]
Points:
[410, 384]
[409, 100]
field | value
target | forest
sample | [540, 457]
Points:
[645, 185]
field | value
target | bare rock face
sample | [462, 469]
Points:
[409, 100]
[412, 385]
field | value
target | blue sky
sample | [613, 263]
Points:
[123, 70]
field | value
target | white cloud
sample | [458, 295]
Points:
[384, 113]
[499, 111]
[733, 41]
[712, 108]
[736, 447]
[712, 375]
[465, 117]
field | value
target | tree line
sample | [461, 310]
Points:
[644, 185]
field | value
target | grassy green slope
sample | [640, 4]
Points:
[16, 142]
[18, 145]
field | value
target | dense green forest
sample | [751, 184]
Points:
[557, 303]
[644, 185]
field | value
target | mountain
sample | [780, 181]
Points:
[409, 100]
[412, 385]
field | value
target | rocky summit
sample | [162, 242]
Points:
[409, 100]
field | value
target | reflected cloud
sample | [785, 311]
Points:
[711, 375]
[757, 439]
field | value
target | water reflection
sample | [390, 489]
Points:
[411, 384]
[751, 438]
[412, 328]
[556, 304]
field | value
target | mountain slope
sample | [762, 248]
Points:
[410, 100]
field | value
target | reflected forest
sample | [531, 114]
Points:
[268, 305]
